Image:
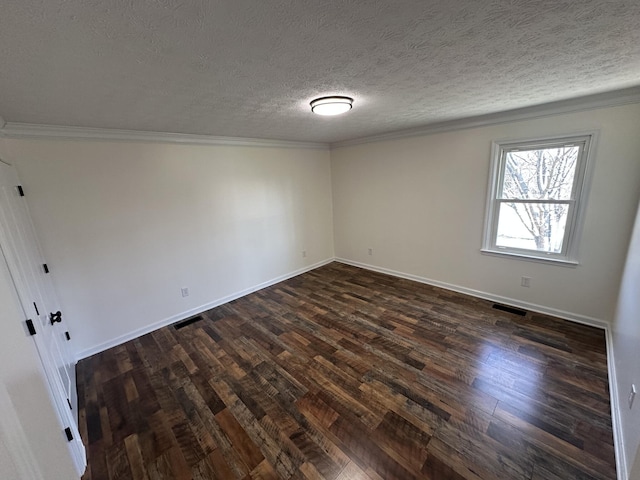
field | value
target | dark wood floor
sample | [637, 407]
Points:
[345, 374]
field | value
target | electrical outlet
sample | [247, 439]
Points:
[632, 395]
[304, 254]
[525, 282]
[185, 291]
[371, 251]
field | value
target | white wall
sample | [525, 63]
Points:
[626, 348]
[419, 203]
[29, 428]
[125, 225]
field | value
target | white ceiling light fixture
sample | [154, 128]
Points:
[334, 105]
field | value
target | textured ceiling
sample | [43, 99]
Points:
[249, 68]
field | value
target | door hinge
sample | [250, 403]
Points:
[30, 327]
[67, 431]
[69, 402]
[66, 334]
[36, 307]
[20, 190]
[45, 267]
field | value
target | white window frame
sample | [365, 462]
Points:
[577, 204]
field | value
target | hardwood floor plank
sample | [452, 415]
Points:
[543, 441]
[401, 439]
[365, 452]
[136, 462]
[117, 462]
[248, 451]
[263, 471]
[219, 466]
[435, 468]
[347, 374]
[353, 472]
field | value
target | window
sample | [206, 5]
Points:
[537, 197]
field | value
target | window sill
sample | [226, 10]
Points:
[530, 258]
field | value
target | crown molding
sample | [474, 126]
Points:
[601, 100]
[38, 131]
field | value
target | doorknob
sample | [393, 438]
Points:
[55, 317]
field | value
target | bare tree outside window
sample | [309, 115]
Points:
[536, 200]
[535, 180]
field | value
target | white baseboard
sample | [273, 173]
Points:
[574, 317]
[618, 440]
[621, 464]
[194, 311]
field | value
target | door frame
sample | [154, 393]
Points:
[19, 278]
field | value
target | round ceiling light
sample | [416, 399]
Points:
[331, 105]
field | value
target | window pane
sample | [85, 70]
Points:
[532, 226]
[540, 174]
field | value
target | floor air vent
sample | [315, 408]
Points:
[186, 322]
[505, 308]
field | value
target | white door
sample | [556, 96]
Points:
[37, 296]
